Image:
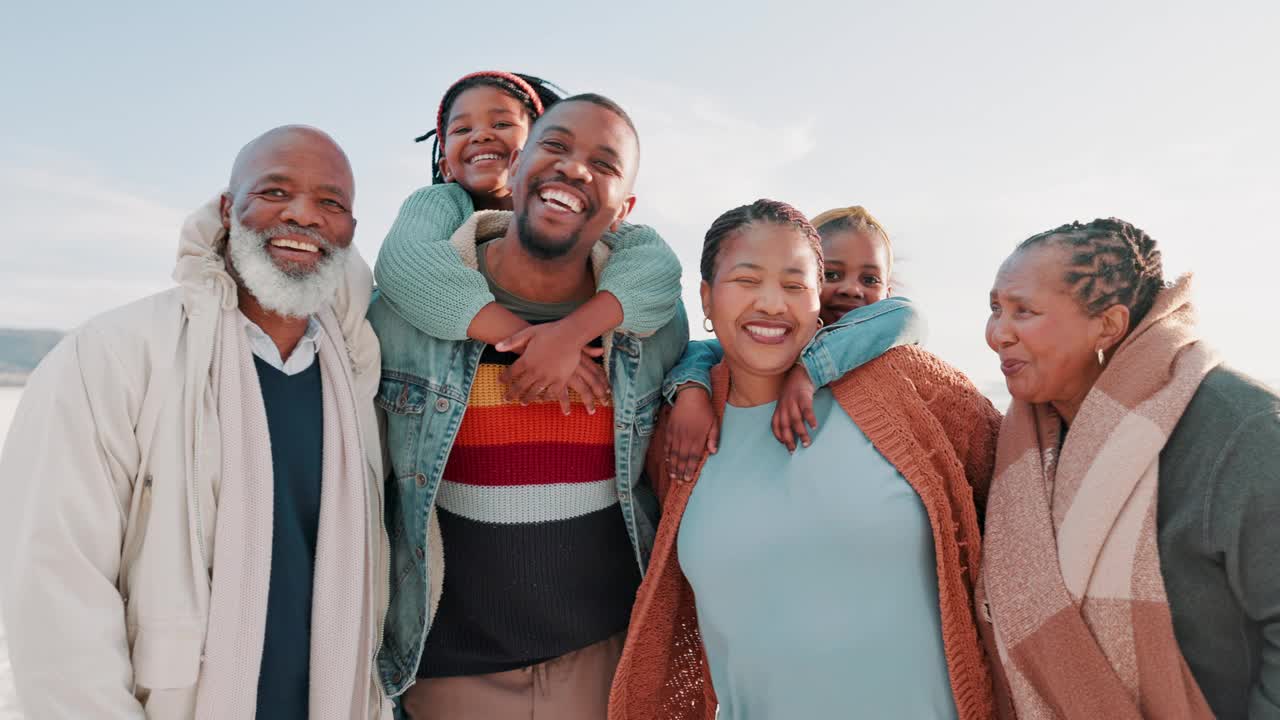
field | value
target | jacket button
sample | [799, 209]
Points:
[419, 553]
[442, 405]
[420, 479]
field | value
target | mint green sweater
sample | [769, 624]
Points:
[424, 279]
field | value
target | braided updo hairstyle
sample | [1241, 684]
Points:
[760, 211]
[1111, 262]
[534, 93]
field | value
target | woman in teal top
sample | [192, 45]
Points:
[834, 581]
[866, 638]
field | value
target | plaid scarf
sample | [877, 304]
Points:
[1070, 577]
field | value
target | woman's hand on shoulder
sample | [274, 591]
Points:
[691, 430]
[795, 409]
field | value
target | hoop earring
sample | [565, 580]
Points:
[820, 323]
[1102, 358]
[706, 325]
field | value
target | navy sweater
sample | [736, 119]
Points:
[295, 420]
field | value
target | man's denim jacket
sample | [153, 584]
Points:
[424, 390]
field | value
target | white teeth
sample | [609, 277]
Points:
[295, 245]
[771, 332]
[486, 156]
[564, 198]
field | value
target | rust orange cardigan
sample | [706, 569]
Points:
[933, 425]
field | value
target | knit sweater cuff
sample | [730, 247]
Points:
[643, 273]
[419, 272]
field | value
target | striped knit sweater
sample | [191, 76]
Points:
[540, 562]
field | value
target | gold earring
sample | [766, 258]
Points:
[706, 325]
[1102, 358]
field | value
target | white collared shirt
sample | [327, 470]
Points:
[304, 353]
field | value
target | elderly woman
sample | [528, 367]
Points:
[1129, 566]
[833, 582]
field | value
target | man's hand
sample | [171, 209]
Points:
[553, 360]
[691, 429]
[795, 408]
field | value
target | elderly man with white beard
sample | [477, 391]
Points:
[190, 496]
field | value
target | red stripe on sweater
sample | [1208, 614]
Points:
[541, 423]
[529, 464]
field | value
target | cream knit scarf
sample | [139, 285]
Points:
[341, 610]
[1071, 569]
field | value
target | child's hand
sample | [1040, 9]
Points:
[795, 408]
[691, 428]
[589, 382]
[551, 361]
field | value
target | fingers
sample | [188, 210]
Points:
[798, 428]
[798, 410]
[782, 427]
[806, 408]
[594, 352]
[516, 343]
[579, 384]
[713, 437]
[518, 383]
[597, 383]
[524, 387]
[513, 376]
[565, 407]
[683, 457]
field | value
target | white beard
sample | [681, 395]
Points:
[293, 292]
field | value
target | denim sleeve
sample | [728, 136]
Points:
[643, 273]
[862, 335]
[694, 367]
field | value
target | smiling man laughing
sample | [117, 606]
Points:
[547, 522]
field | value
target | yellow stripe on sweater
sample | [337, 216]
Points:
[487, 390]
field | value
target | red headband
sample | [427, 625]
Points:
[509, 77]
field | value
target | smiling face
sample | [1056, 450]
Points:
[855, 272]
[288, 213]
[763, 298]
[484, 129]
[573, 180]
[1046, 341]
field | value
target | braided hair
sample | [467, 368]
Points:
[760, 211]
[1112, 262]
[534, 93]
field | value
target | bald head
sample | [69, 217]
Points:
[296, 174]
[286, 144]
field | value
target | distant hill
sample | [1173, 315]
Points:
[22, 350]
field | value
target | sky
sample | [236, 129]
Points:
[964, 127]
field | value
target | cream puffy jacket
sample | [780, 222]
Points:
[109, 486]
